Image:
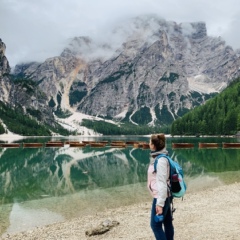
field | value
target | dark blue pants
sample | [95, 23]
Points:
[157, 227]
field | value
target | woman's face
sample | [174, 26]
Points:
[151, 146]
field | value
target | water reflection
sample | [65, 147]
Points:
[31, 173]
[68, 182]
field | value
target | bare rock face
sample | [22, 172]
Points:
[18, 92]
[4, 65]
[4, 72]
[159, 71]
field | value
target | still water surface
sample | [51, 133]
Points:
[39, 186]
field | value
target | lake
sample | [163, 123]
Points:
[40, 186]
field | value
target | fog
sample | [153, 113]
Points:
[36, 30]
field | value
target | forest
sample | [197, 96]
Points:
[218, 116]
[20, 123]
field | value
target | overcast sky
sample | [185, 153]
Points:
[34, 30]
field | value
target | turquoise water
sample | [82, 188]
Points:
[45, 185]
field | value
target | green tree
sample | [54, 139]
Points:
[219, 115]
[2, 130]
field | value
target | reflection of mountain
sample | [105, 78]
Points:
[114, 168]
[27, 173]
[32, 173]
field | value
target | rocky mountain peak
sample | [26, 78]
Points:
[195, 30]
[149, 70]
[4, 65]
[4, 72]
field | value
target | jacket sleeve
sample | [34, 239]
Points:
[162, 181]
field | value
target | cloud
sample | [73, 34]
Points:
[231, 32]
[35, 30]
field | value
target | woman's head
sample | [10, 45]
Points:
[157, 142]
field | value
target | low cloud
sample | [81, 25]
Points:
[36, 30]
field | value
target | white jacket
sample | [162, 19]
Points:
[158, 182]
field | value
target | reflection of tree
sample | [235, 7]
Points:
[212, 160]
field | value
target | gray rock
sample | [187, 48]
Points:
[102, 228]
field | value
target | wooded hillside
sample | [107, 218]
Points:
[218, 116]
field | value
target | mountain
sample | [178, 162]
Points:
[23, 105]
[150, 71]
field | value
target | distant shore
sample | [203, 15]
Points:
[14, 137]
[207, 214]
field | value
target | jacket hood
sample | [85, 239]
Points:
[154, 154]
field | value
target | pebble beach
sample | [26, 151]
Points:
[207, 214]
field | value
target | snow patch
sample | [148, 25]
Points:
[130, 118]
[154, 118]
[73, 123]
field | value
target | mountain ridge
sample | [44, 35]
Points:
[154, 73]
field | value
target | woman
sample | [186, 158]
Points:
[158, 184]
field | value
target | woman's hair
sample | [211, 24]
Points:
[158, 141]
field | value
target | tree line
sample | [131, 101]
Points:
[107, 128]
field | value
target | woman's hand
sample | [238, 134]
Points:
[159, 210]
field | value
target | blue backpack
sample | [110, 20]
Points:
[178, 186]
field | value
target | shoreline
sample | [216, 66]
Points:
[206, 214]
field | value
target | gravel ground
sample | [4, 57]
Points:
[212, 214]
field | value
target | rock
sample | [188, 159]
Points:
[102, 228]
